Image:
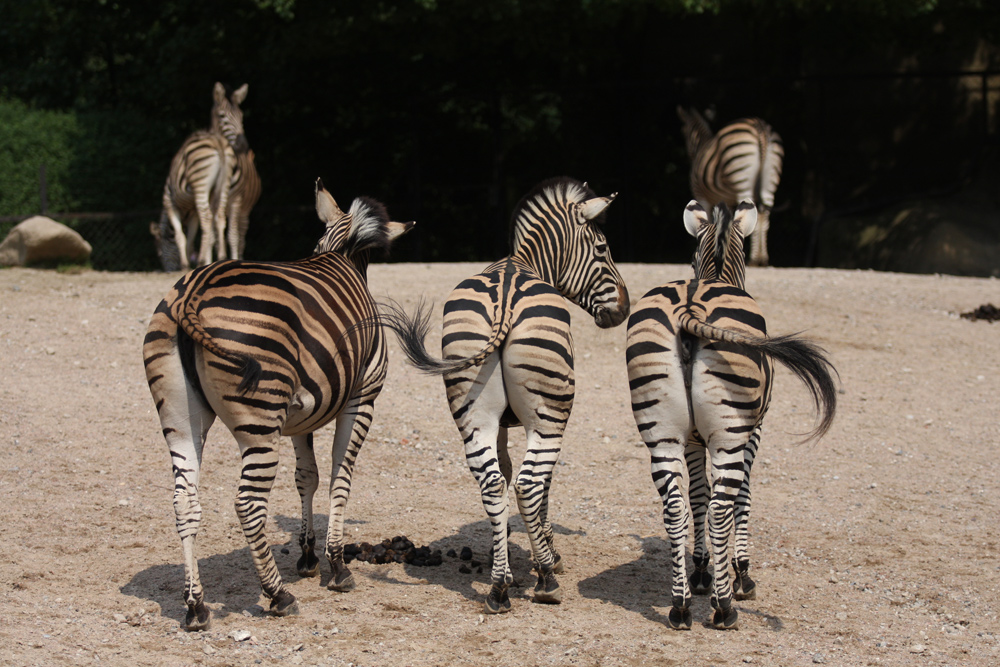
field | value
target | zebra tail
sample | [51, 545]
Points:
[249, 369]
[412, 330]
[804, 358]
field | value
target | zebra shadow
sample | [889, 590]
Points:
[643, 586]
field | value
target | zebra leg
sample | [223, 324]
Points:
[482, 461]
[233, 227]
[531, 490]
[758, 239]
[259, 452]
[306, 481]
[727, 478]
[546, 526]
[185, 420]
[206, 224]
[352, 429]
[744, 588]
[175, 221]
[695, 455]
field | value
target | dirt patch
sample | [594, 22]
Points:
[876, 546]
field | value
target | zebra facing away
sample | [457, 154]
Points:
[700, 370]
[272, 349]
[742, 161]
[196, 191]
[508, 360]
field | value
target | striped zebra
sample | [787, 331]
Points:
[742, 161]
[272, 349]
[508, 360]
[244, 191]
[700, 369]
[197, 188]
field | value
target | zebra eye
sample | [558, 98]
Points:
[600, 248]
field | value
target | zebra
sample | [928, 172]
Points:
[244, 191]
[272, 349]
[197, 186]
[742, 161]
[700, 367]
[508, 360]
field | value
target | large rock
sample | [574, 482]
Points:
[41, 239]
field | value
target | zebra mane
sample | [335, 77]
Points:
[368, 232]
[561, 189]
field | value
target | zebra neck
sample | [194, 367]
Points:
[541, 264]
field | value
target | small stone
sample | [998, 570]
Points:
[240, 635]
[918, 648]
[120, 618]
[819, 659]
[285, 550]
[209, 649]
[123, 502]
[841, 615]
[747, 658]
[298, 647]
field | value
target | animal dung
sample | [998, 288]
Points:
[399, 549]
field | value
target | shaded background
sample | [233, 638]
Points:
[449, 111]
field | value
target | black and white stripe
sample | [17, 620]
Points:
[244, 191]
[272, 349]
[196, 193]
[700, 368]
[742, 161]
[508, 360]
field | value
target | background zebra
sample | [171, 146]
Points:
[244, 191]
[272, 349]
[700, 368]
[508, 359]
[742, 161]
[201, 173]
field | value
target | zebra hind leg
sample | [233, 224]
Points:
[306, 481]
[744, 588]
[531, 491]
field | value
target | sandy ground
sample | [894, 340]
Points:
[876, 546]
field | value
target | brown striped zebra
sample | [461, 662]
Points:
[508, 360]
[197, 188]
[272, 349]
[742, 161]
[700, 373]
[244, 191]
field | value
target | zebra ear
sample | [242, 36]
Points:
[396, 229]
[219, 92]
[592, 208]
[694, 217]
[240, 94]
[326, 205]
[746, 217]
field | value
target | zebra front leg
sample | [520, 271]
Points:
[352, 429]
[727, 477]
[695, 456]
[260, 464]
[306, 481]
[531, 491]
[744, 588]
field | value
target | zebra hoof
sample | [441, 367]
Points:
[700, 581]
[726, 619]
[198, 618]
[679, 619]
[342, 581]
[307, 566]
[744, 588]
[284, 604]
[497, 600]
[557, 565]
[547, 589]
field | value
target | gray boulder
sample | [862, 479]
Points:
[40, 239]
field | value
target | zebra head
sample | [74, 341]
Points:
[166, 244]
[720, 240]
[227, 117]
[365, 227]
[556, 230]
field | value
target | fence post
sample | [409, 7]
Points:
[43, 190]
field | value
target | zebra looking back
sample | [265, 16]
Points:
[508, 360]
[700, 369]
[272, 349]
[198, 184]
[742, 161]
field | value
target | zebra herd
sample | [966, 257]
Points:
[285, 348]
